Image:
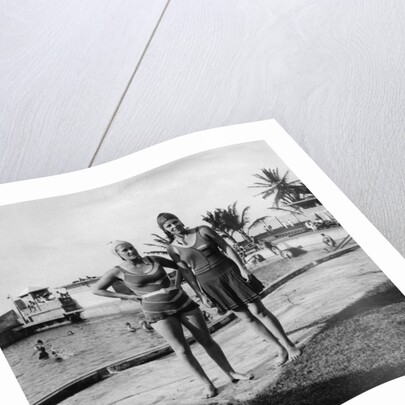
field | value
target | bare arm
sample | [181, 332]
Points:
[172, 265]
[226, 248]
[100, 288]
[179, 279]
[189, 276]
[164, 262]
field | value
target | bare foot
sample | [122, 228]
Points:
[294, 353]
[210, 392]
[282, 358]
[288, 355]
[240, 377]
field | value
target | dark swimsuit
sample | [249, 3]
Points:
[159, 306]
[218, 275]
[43, 355]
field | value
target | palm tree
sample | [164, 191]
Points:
[234, 221]
[283, 191]
[160, 242]
[215, 220]
[260, 221]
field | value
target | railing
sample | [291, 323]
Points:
[343, 243]
[292, 219]
[41, 307]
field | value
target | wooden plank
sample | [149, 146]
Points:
[329, 71]
[63, 67]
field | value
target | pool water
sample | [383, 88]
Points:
[94, 343]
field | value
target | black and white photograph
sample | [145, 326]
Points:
[218, 278]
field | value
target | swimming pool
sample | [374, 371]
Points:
[94, 343]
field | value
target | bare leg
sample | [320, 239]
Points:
[171, 330]
[194, 322]
[261, 313]
[260, 329]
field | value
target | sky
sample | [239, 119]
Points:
[53, 241]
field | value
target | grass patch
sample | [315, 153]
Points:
[361, 347]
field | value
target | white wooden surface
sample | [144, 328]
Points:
[64, 66]
[125, 75]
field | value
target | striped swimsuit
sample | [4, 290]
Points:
[159, 306]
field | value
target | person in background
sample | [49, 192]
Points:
[167, 307]
[57, 355]
[43, 354]
[129, 327]
[209, 262]
[268, 245]
[310, 225]
[146, 326]
[32, 306]
[328, 241]
[38, 345]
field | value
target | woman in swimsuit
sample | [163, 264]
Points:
[224, 279]
[167, 308]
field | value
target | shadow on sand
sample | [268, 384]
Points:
[334, 391]
[297, 251]
[360, 348]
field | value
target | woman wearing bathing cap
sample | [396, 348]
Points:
[224, 278]
[167, 307]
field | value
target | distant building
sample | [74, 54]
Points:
[36, 308]
[307, 209]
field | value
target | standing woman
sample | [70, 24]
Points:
[167, 307]
[225, 280]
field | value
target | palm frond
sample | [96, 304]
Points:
[258, 221]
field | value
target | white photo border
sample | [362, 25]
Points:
[356, 224]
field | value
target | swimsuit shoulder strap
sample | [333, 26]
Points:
[121, 268]
[199, 234]
[149, 259]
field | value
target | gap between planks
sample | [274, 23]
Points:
[128, 85]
